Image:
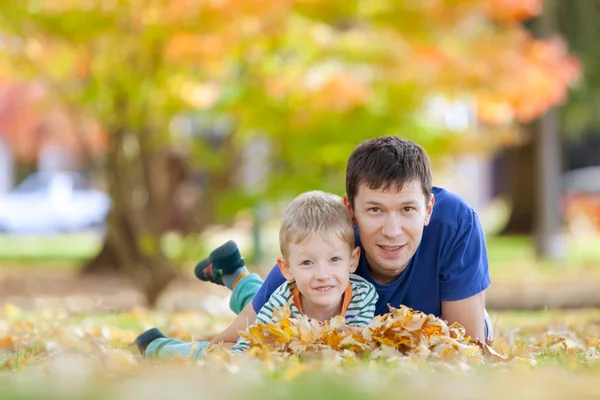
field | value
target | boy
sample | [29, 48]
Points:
[319, 256]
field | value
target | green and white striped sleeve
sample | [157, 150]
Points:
[280, 298]
[364, 299]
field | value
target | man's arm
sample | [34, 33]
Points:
[246, 318]
[469, 313]
[464, 276]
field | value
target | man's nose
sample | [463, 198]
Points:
[392, 226]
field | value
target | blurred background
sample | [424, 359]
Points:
[136, 136]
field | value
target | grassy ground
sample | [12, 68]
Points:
[49, 355]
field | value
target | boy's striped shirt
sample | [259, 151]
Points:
[359, 312]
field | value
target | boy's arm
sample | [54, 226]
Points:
[249, 317]
[248, 314]
[278, 299]
[246, 318]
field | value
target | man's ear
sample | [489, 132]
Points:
[429, 209]
[354, 259]
[285, 269]
[349, 206]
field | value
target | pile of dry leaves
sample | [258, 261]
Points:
[401, 334]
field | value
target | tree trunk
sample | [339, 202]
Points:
[519, 164]
[123, 254]
[153, 193]
[106, 261]
[138, 180]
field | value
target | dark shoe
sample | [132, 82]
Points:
[223, 260]
[226, 258]
[206, 273]
[145, 338]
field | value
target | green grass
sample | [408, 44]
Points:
[504, 249]
[514, 257]
[510, 257]
[70, 250]
[60, 248]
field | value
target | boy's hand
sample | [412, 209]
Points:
[246, 318]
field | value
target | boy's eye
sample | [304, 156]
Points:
[335, 259]
[306, 262]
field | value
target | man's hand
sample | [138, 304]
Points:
[469, 313]
[243, 320]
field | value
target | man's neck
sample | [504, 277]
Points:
[385, 277]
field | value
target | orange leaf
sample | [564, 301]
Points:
[7, 343]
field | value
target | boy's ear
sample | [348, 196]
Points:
[354, 259]
[285, 269]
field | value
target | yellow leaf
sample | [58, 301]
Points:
[11, 311]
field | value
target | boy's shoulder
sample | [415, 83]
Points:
[360, 284]
[283, 291]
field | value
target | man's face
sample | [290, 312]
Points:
[390, 226]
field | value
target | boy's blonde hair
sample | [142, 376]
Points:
[315, 212]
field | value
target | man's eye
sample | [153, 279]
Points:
[409, 209]
[374, 209]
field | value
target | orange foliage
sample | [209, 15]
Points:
[537, 78]
[339, 93]
[471, 47]
[28, 124]
[511, 75]
[513, 10]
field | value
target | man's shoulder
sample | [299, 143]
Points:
[449, 208]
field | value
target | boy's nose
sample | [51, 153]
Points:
[322, 273]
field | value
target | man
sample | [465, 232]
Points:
[421, 246]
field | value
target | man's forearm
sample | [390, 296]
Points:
[469, 313]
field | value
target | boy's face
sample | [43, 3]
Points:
[390, 226]
[321, 267]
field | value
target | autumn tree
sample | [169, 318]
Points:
[311, 78]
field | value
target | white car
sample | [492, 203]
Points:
[51, 202]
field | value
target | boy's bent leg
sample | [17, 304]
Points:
[167, 347]
[243, 292]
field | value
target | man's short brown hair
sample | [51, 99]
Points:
[387, 162]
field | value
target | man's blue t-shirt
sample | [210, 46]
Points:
[449, 264]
